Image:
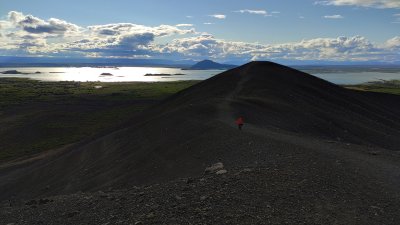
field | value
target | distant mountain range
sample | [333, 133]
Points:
[210, 65]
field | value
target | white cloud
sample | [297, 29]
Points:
[218, 16]
[184, 25]
[29, 35]
[207, 46]
[34, 25]
[207, 23]
[363, 3]
[130, 28]
[331, 49]
[259, 12]
[333, 17]
[393, 43]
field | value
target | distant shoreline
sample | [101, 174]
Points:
[18, 79]
[82, 66]
[314, 68]
[341, 75]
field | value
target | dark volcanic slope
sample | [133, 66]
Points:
[343, 144]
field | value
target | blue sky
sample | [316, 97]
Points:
[223, 30]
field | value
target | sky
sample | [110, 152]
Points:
[221, 30]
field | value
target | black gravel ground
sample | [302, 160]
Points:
[258, 195]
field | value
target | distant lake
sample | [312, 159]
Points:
[357, 77]
[109, 74]
[158, 74]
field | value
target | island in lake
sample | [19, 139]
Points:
[18, 72]
[13, 72]
[106, 74]
[157, 74]
[163, 74]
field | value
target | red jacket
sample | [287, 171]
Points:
[239, 121]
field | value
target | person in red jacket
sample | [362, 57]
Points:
[239, 122]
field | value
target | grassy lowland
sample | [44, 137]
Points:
[39, 116]
[384, 86]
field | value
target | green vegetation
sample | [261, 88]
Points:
[390, 86]
[38, 116]
[16, 91]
